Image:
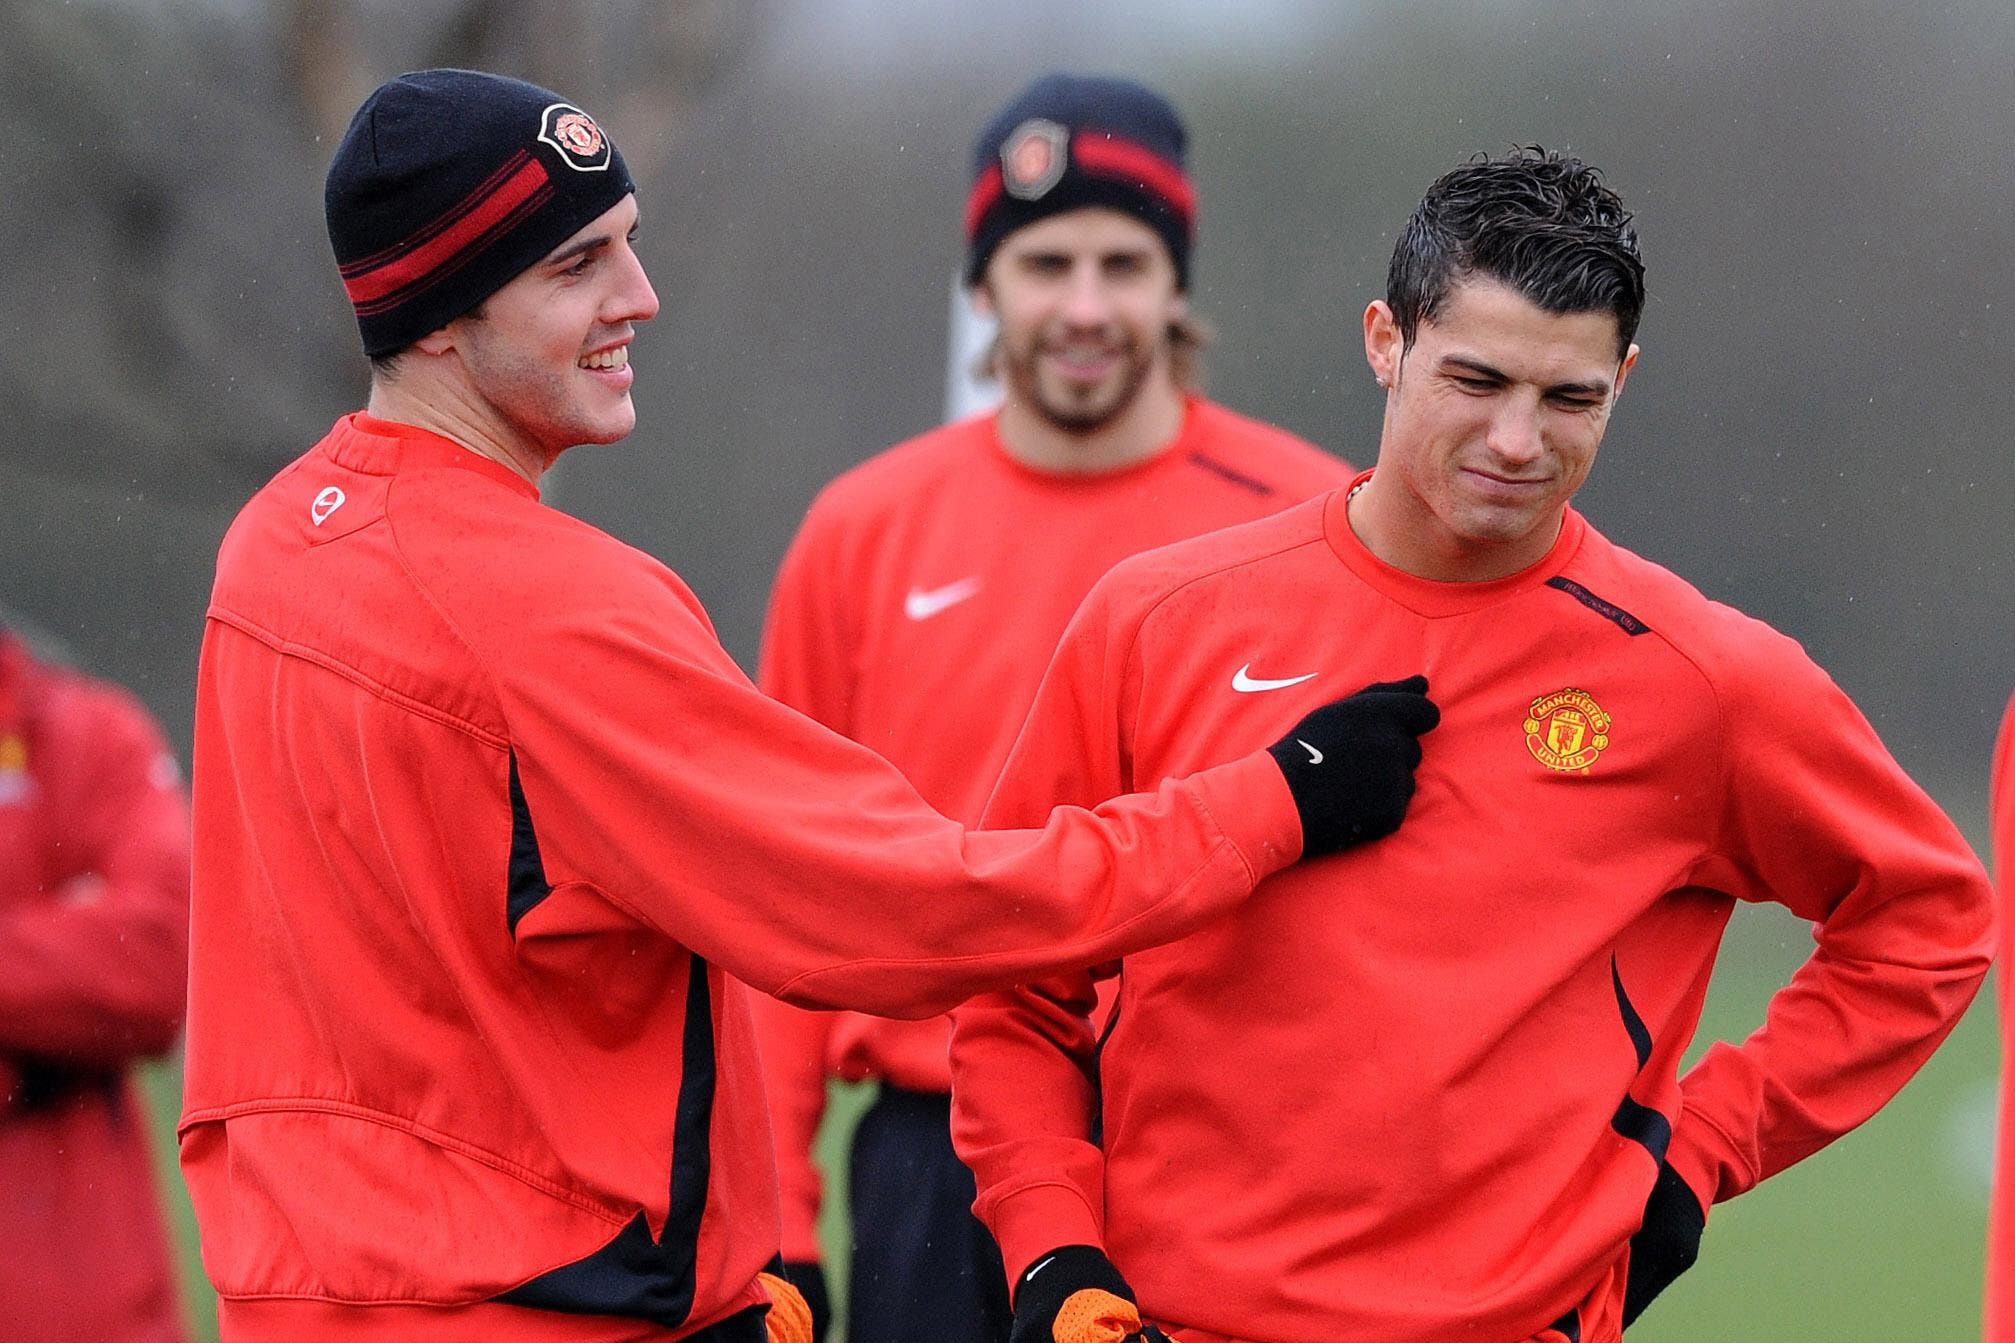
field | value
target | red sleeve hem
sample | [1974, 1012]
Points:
[1037, 1218]
[1250, 803]
[1707, 1160]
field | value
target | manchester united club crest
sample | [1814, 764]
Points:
[1566, 731]
[1033, 158]
[574, 133]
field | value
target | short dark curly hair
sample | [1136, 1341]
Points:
[1539, 222]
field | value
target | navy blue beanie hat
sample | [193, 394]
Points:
[1069, 141]
[451, 183]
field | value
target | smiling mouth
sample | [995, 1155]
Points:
[1508, 482]
[1083, 363]
[616, 358]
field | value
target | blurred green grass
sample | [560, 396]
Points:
[1880, 1236]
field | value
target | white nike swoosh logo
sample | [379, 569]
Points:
[327, 502]
[1314, 756]
[1242, 680]
[1030, 1275]
[922, 604]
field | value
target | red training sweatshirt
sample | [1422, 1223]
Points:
[1420, 1090]
[2001, 1214]
[915, 612]
[483, 815]
[94, 914]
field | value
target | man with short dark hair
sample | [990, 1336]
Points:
[486, 818]
[922, 598]
[1451, 1107]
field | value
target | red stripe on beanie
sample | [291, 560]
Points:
[1101, 155]
[367, 285]
[405, 295]
[1110, 156]
[481, 193]
[984, 193]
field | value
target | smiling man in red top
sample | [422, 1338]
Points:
[487, 824]
[1450, 1107]
[921, 600]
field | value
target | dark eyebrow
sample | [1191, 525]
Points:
[1474, 366]
[1482, 370]
[581, 248]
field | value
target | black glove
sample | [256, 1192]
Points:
[809, 1277]
[1350, 763]
[1666, 1245]
[1075, 1295]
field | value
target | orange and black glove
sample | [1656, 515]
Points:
[809, 1277]
[1075, 1295]
[790, 1319]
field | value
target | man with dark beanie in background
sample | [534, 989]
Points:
[923, 596]
[485, 817]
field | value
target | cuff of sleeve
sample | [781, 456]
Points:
[1250, 801]
[1031, 1222]
[1711, 1166]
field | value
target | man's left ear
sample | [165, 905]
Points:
[1623, 371]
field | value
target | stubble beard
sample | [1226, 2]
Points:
[550, 407]
[1073, 413]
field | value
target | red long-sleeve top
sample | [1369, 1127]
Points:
[1420, 1090]
[2001, 1213]
[94, 910]
[915, 612]
[486, 820]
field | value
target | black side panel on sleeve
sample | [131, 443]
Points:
[692, 1132]
[526, 884]
[1096, 1135]
[634, 1276]
[1633, 1119]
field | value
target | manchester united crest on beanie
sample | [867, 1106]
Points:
[449, 184]
[1070, 141]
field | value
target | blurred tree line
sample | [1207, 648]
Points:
[1816, 432]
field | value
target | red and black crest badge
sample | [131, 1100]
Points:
[574, 133]
[1567, 730]
[1033, 158]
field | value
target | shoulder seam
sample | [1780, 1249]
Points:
[440, 613]
[1133, 636]
[1711, 843]
[398, 699]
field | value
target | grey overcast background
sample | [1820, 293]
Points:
[1817, 431]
